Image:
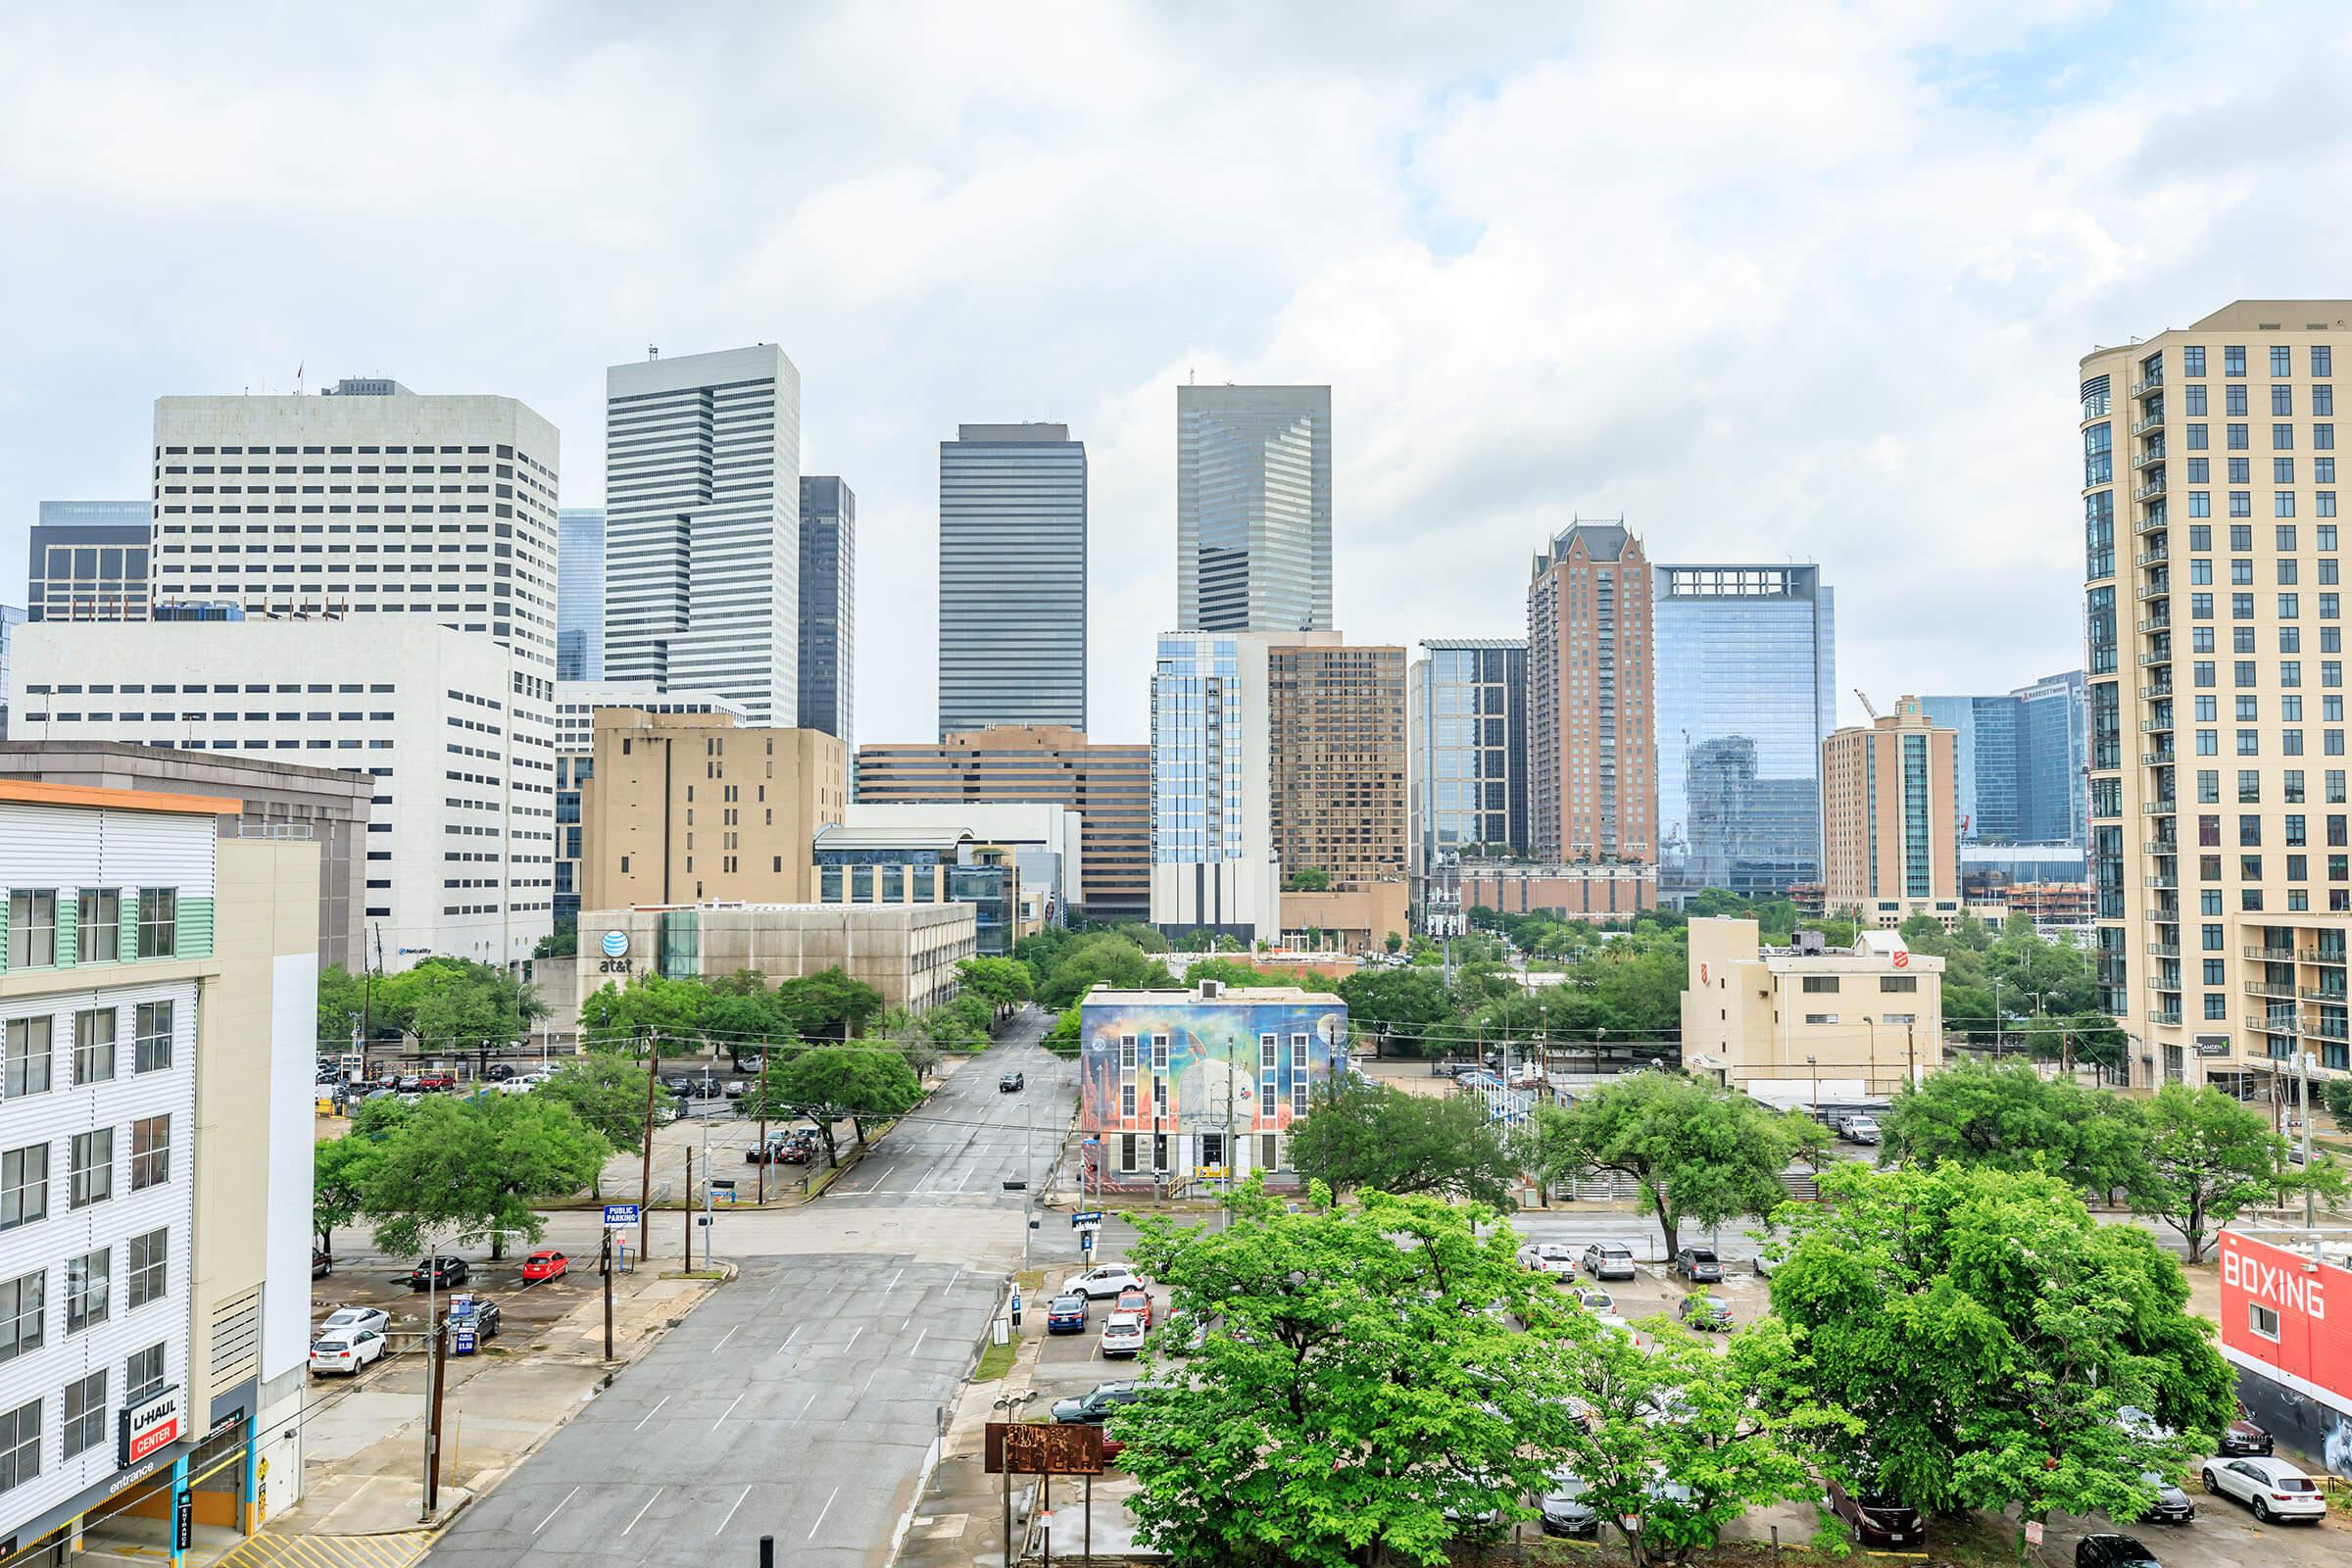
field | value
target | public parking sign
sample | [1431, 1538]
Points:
[1088, 1217]
[619, 1214]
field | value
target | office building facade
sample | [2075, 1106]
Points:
[1011, 577]
[1890, 819]
[1466, 737]
[1746, 691]
[576, 705]
[1807, 1024]
[1336, 717]
[1213, 860]
[1592, 791]
[11, 618]
[828, 628]
[1109, 786]
[580, 593]
[89, 561]
[1254, 508]
[2213, 660]
[703, 526]
[2021, 758]
[910, 953]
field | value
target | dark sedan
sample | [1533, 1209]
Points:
[1067, 1314]
[2243, 1436]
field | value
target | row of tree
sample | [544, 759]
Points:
[1382, 1378]
[455, 1004]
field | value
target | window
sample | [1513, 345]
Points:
[2234, 358]
[1126, 1100]
[1269, 1053]
[1898, 982]
[19, 1445]
[1821, 1017]
[1126, 1053]
[85, 1413]
[94, 1046]
[87, 1281]
[2262, 1320]
[143, 1374]
[94, 1168]
[2282, 360]
[2192, 361]
[145, 1267]
[2323, 360]
[23, 1304]
[31, 929]
[2282, 400]
[99, 940]
[24, 1186]
[1127, 1143]
[150, 1152]
[28, 1071]
[159, 916]
[1269, 1151]
[1821, 982]
[152, 1049]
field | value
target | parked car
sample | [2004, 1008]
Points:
[1550, 1258]
[500, 1071]
[1123, 1334]
[357, 1317]
[1107, 1279]
[442, 1270]
[1876, 1519]
[2243, 1436]
[1861, 1130]
[1592, 1298]
[2173, 1505]
[433, 1083]
[1706, 1312]
[476, 1315]
[2107, 1550]
[1012, 1083]
[678, 1083]
[1700, 1265]
[2272, 1488]
[1565, 1510]
[1610, 1260]
[1097, 1402]
[1067, 1313]
[2142, 1425]
[545, 1264]
[736, 1088]
[346, 1350]
[409, 1083]
[321, 1265]
[1136, 1299]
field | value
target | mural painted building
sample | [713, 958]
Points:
[1201, 1085]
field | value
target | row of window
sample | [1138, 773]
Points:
[33, 926]
[90, 1175]
[84, 1409]
[1823, 983]
[2233, 362]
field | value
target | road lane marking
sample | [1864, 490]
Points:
[804, 1405]
[723, 1342]
[650, 1414]
[728, 1411]
[730, 1513]
[868, 1383]
[918, 1343]
[820, 1515]
[789, 1337]
[894, 1279]
[648, 1503]
[556, 1510]
[853, 1333]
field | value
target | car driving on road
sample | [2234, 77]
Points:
[2272, 1488]
[1012, 1083]
[1610, 1260]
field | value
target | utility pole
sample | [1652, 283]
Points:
[605, 1262]
[2303, 1096]
[1996, 1021]
[432, 1431]
[686, 1209]
[644, 1187]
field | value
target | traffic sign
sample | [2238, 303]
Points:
[1087, 1216]
[619, 1214]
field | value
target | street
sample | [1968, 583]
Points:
[801, 1400]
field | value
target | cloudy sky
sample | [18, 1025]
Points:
[1773, 283]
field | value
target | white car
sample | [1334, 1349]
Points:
[2272, 1488]
[1610, 1260]
[1107, 1280]
[1550, 1258]
[1124, 1334]
[358, 1317]
[346, 1350]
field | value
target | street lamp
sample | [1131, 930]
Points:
[1996, 1021]
[1816, 1070]
[1868, 1082]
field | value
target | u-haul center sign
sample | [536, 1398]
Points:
[2275, 1314]
[147, 1426]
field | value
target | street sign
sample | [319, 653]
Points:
[1027, 1449]
[461, 1342]
[1088, 1217]
[620, 1214]
[183, 1521]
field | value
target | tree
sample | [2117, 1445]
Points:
[606, 1092]
[563, 942]
[1308, 879]
[1699, 1152]
[2009, 1117]
[1225, 971]
[1104, 960]
[999, 982]
[829, 1082]
[1411, 1003]
[650, 1006]
[827, 1005]
[1355, 1399]
[341, 1006]
[341, 1168]
[1393, 941]
[2208, 1158]
[468, 1170]
[1986, 1331]
[1362, 1134]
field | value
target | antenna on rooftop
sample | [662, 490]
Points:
[653, 351]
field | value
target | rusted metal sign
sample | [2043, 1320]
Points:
[1024, 1448]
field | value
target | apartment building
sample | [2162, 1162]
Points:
[2219, 840]
[1466, 740]
[1890, 818]
[158, 993]
[1592, 763]
[1810, 1023]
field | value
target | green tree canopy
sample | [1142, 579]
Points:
[607, 1091]
[827, 1005]
[830, 1082]
[1307, 879]
[1410, 1004]
[649, 1006]
[2009, 1117]
[2209, 1158]
[999, 982]
[1225, 971]
[463, 1171]
[1367, 1135]
[1100, 960]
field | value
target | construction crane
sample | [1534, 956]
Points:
[1867, 706]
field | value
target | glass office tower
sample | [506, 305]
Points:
[1746, 691]
[1466, 722]
[1011, 577]
[580, 593]
[2022, 759]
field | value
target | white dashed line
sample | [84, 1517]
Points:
[730, 1513]
[820, 1515]
[556, 1510]
[649, 1415]
[789, 1337]
[728, 1411]
[722, 1339]
[648, 1503]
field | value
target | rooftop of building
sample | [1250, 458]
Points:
[167, 759]
[34, 792]
[1909, 712]
[1033, 433]
[2254, 316]
[1450, 643]
[1234, 995]
[1005, 738]
[1601, 541]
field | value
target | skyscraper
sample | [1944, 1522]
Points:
[1336, 712]
[1011, 577]
[89, 562]
[1746, 691]
[1467, 721]
[828, 606]
[1253, 507]
[580, 593]
[1890, 827]
[2021, 757]
[2215, 665]
[1593, 785]
[1213, 857]
[703, 526]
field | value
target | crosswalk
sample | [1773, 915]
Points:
[398, 1550]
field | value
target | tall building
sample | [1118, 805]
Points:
[1466, 735]
[580, 593]
[1891, 821]
[689, 807]
[577, 704]
[703, 526]
[1254, 508]
[1011, 577]
[2227, 961]
[162, 989]
[2021, 758]
[1746, 691]
[828, 628]
[1335, 717]
[89, 562]
[1593, 786]
[11, 618]
[1108, 785]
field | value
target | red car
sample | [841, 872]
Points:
[545, 1265]
[1134, 1299]
[433, 1081]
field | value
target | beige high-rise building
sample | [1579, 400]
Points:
[2217, 721]
[1336, 714]
[690, 808]
[1889, 823]
[1593, 784]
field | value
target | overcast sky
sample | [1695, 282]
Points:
[1771, 282]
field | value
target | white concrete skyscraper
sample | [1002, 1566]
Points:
[703, 526]
[1253, 507]
[1011, 577]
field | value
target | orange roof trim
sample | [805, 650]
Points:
[34, 793]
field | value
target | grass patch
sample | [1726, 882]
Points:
[995, 1362]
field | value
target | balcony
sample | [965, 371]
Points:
[2271, 1026]
[2161, 879]
[2154, 421]
[2164, 1015]
[2161, 622]
[2163, 656]
[2152, 489]
[2157, 726]
[2164, 949]
[2157, 981]
[2320, 994]
[2157, 692]
[2153, 558]
[2166, 806]
[2161, 589]
[2163, 759]
[2154, 383]
[2154, 522]
[2165, 848]
[2271, 955]
[2334, 960]
[2151, 456]
[2271, 988]
[2325, 1029]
